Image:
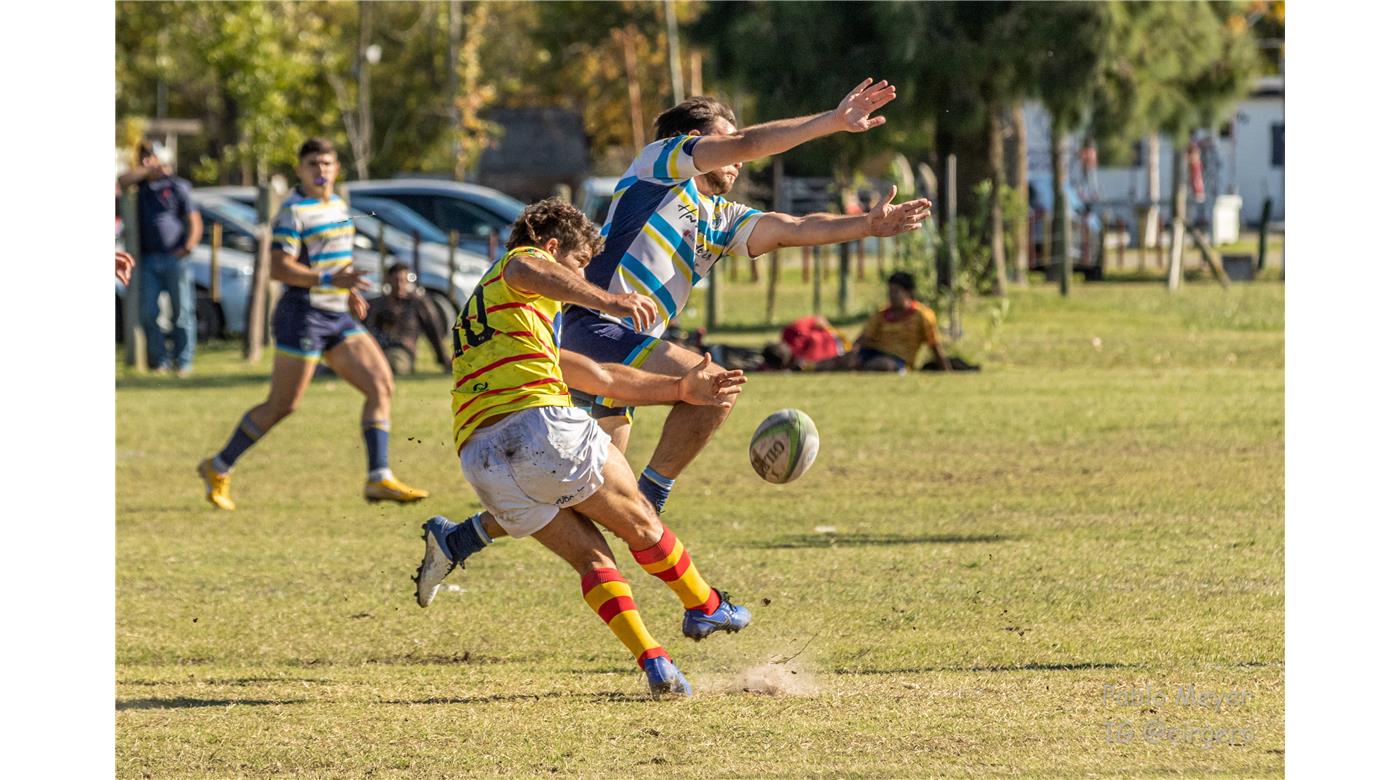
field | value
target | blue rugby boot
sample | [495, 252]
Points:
[664, 680]
[728, 616]
[446, 544]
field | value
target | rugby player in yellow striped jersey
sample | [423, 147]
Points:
[317, 318]
[545, 468]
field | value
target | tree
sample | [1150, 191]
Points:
[1174, 67]
[1068, 44]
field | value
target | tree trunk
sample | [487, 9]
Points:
[628, 38]
[673, 53]
[1178, 216]
[1022, 228]
[995, 218]
[454, 50]
[360, 141]
[1150, 234]
[1059, 220]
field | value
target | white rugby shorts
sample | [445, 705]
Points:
[535, 461]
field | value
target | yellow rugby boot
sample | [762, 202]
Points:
[390, 489]
[215, 485]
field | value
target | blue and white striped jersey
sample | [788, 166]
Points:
[662, 235]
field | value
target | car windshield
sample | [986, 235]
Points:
[504, 204]
[399, 216]
[233, 210]
[368, 225]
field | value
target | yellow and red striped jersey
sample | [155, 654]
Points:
[505, 353]
[901, 332]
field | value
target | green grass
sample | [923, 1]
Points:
[1006, 544]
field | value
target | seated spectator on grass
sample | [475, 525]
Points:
[893, 336]
[398, 317]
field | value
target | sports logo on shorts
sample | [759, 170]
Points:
[308, 344]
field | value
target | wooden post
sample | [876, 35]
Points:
[255, 330]
[733, 270]
[843, 287]
[215, 241]
[951, 226]
[1176, 260]
[774, 267]
[1161, 242]
[880, 257]
[493, 245]
[1209, 257]
[627, 38]
[452, 268]
[806, 264]
[1264, 232]
[131, 307]
[860, 260]
[383, 257]
[1122, 244]
[417, 256]
[817, 280]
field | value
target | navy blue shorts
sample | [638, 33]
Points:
[604, 341]
[868, 354]
[302, 330]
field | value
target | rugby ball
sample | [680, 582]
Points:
[784, 446]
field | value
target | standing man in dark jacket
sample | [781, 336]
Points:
[170, 230]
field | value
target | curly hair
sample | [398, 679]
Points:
[553, 218]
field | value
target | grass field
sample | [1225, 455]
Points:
[1101, 506]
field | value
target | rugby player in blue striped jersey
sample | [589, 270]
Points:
[312, 246]
[669, 225]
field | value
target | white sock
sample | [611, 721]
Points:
[379, 475]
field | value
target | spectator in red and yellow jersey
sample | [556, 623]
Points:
[893, 336]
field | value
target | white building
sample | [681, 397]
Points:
[1243, 157]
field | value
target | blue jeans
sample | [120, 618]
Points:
[172, 275]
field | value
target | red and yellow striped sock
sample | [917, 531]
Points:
[608, 594]
[669, 560]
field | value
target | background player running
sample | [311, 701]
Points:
[669, 224]
[311, 254]
[543, 467]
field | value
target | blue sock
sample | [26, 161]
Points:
[655, 487]
[243, 437]
[467, 538]
[377, 444]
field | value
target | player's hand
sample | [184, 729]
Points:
[351, 278]
[887, 220]
[358, 306]
[638, 307]
[710, 385]
[124, 265]
[853, 114]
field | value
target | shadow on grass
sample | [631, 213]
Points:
[507, 698]
[758, 327]
[195, 382]
[1030, 667]
[872, 540]
[239, 681]
[183, 703]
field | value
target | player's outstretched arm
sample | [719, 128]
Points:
[551, 280]
[851, 115]
[704, 385]
[776, 230]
